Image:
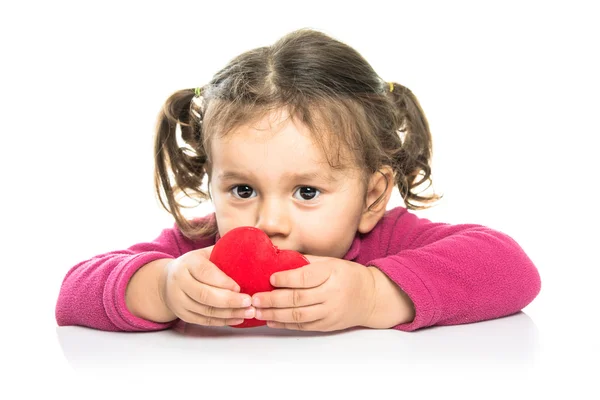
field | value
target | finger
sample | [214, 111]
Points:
[203, 270]
[308, 276]
[216, 312]
[213, 296]
[299, 315]
[315, 326]
[285, 298]
[198, 319]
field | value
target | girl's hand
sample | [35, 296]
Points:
[326, 295]
[198, 292]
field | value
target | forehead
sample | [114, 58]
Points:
[277, 147]
[275, 138]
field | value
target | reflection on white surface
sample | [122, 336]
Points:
[190, 361]
[506, 341]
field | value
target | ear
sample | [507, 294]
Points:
[381, 184]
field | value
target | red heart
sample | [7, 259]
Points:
[248, 256]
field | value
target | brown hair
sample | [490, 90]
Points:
[322, 82]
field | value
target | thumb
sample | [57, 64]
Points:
[205, 271]
[206, 251]
[313, 259]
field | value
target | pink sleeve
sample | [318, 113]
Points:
[93, 291]
[455, 274]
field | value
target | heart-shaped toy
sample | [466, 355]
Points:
[247, 255]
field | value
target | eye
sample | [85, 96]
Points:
[307, 193]
[242, 191]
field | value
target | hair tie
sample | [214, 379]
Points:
[391, 86]
[197, 104]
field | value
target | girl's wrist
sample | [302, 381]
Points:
[144, 297]
[391, 305]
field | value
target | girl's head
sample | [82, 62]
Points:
[301, 139]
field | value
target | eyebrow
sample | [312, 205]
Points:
[306, 176]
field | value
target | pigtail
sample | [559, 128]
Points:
[412, 159]
[183, 165]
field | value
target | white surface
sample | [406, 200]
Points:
[493, 350]
[511, 93]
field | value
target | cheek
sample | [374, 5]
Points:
[229, 217]
[331, 232]
[226, 219]
[222, 212]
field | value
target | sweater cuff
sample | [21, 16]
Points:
[402, 272]
[114, 294]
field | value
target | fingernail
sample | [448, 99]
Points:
[249, 313]
[246, 302]
[255, 301]
[258, 314]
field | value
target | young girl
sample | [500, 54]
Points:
[304, 141]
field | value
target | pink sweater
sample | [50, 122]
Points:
[454, 274]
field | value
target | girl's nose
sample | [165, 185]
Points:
[273, 218]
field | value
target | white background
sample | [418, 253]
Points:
[510, 90]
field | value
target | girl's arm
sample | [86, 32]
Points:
[453, 274]
[93, 292]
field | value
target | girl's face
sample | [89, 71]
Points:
[273, 177]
